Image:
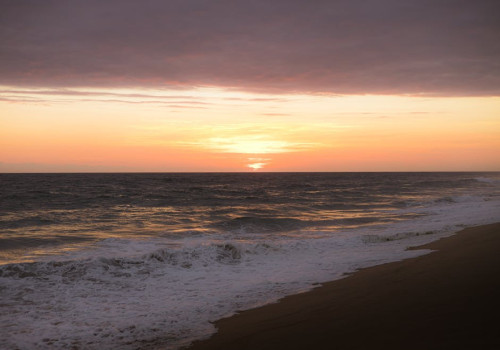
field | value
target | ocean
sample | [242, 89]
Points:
[150, 260]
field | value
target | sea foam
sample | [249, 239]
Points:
[164, 291]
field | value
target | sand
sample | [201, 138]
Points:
[448, 299]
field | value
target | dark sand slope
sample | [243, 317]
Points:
[448, 299]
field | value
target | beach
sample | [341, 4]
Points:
[152, 261]
[447, 299]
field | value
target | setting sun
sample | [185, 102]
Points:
[256, 166]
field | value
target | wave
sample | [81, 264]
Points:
[203, 255]
[250, 224]
[259, 225]
[33, 241]
[432, 202]
[27, 222]
[487, 180]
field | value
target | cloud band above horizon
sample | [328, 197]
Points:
[442, 48]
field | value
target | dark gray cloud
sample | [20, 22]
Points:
[441, 47]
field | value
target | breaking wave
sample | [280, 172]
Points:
[487, 180]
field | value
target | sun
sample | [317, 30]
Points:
[257, 163]
[256, 166]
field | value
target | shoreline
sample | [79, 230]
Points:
[447, 299]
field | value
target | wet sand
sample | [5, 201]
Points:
[448, 299]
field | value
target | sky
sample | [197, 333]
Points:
[182, 86]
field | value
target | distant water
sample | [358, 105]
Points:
[126, 261]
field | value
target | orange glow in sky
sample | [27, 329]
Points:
[218, 130]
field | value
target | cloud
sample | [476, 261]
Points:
[69, 95]
[79, 93]
[438, 47]
[276, 114]
[250, 144]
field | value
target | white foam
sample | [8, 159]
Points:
[126, 294]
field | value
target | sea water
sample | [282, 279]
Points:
[127, 261]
